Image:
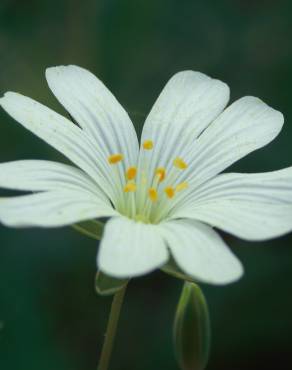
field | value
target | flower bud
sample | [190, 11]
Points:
[192, 329]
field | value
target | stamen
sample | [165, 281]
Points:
[160, 173]
[180, 163]
[130, 187]
[115, 158]
[182, 186]
[169, 191]
[153, 195]
[131, 173]
[148, 144]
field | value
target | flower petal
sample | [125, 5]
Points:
[61, 134]
[250, 206]
[52, 209]
[200, 252]
[39, 175]
[246, 125]
[95, 109]
[185, 107]
[130, 248]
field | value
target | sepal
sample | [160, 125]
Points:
[91, 228]
[107, 285]
[172, 269]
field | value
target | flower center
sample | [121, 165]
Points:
[145, 196]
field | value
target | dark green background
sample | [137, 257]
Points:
[50, 316]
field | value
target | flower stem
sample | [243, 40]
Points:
[111, 329]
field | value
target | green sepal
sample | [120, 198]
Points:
[191, 332]
[172, 269]
[92, 228]
[107, 285]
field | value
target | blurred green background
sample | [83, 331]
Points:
[50, 316]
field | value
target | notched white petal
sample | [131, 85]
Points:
[61, 134]
[130, 248]
[185, 107]
[200, 252]
[246, 125]
[250, 206]
[95, 109]
[40, 175]
[52, 209]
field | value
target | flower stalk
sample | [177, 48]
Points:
[111, 329]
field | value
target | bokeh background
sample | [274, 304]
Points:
[50, 316]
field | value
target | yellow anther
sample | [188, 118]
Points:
[115, 158]
[131, 173]
[152, 192]
[148, 144]
[130, 187]
[169, 191]
[180, 163]
[161, 173]
[181, 186]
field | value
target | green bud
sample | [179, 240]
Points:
[192, 329]
[92, 228]
[107, 285]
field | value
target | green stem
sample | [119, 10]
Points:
[111, 329]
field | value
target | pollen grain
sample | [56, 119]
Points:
[169, 191]
[182, 186]
[180, 163]
[130, 187]
[148, 144]
[131, 173]
[160, 173]
[115, 158]
[153, 195]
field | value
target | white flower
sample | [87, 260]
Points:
[164, 198]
